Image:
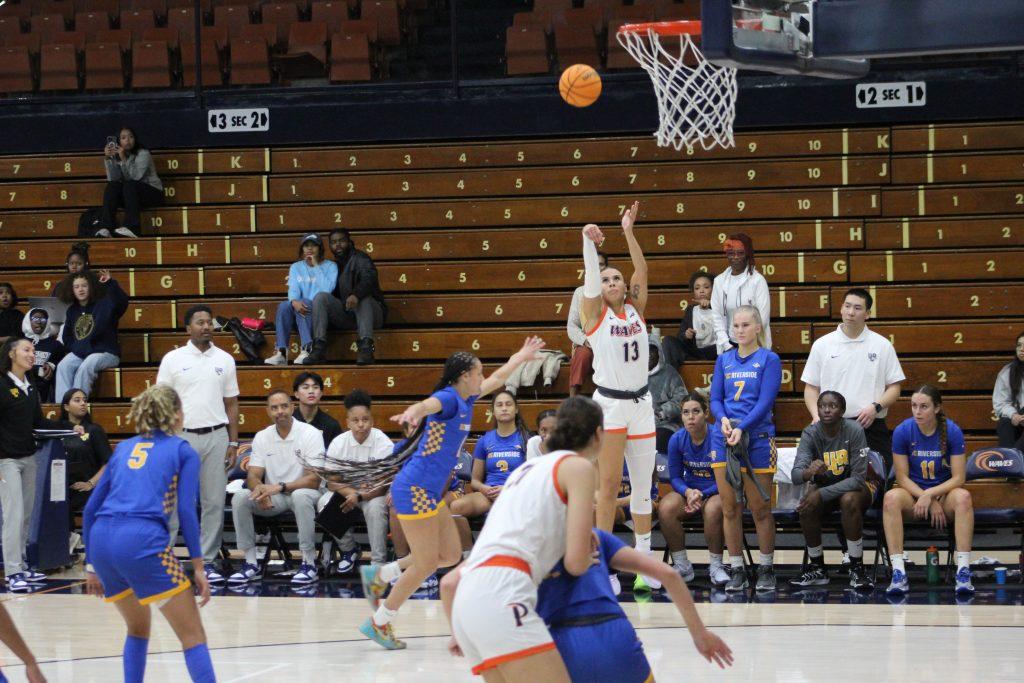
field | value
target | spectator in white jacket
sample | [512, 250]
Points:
[1008, 400]
[739, 285]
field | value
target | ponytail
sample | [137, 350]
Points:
[941, 423]
[579, 418]
[155, 409]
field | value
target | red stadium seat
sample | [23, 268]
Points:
[265, 32]
[151, 65]
[350, 58]
[205, 5]
[231, 17]
[212, 73]
[122, 37]
[73, 38]
[137, 20]
[250, 62]
[29, 40]
[58, 67]
[162, 35]
[11, 10]
[112, 8]
[576, 45]
[309, 38]
[581, 17]
[48, 25]
[540, 20]
[385, 13]
[331, 13]
[9, 26]
[551, 6]
[636, 13]
[104, 68]
[15, 70]
[671, 11]
[526, 51]
[65, 8]
[91, 23]
[158, 7]
[183, 20]
[282, 15]
[605, 7]
[360, 26]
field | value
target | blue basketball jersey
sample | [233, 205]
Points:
[145, 478]
[744, 389]
[562, 596]
[501, 455]
[689, 464]
[441, 442]
[929, 464]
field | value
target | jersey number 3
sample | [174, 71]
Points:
[636, 350]
[139, 454]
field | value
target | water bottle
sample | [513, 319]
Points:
[932, 564]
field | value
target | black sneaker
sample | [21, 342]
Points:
[765, 578]
[365, 349]
[738, 580]
[316, 353]
[814, 575]
[859, 578]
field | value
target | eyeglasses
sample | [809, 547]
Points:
[39, 318]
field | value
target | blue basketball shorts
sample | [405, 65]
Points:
[761, 451]
[609, 651]
[131, 557]
[415, 502]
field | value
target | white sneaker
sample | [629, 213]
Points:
[301, 358]
[650, 580]
[277, 359]
[103, 232]
[125, 232]
[73, 540]
[685, 570]
[719, 575]
[616, 585]
[307, 574]
[246, 573]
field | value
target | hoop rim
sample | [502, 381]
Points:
[690, 27]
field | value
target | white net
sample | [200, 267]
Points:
[696, 99]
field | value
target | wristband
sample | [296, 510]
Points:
[232, 444]
[284, 487]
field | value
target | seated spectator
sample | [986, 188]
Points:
[277, 482]
[49, 351]
[1008, 400]
[307, 277]
[581, 365]
[739, 285]
[308, 389]
[10, 317]
[498, 453]
[355, 304]
[696, 338]
[77, 260]
[87, 455]
[95, 306]
[361, 443]
[132, 183]
[546, 422]
[690, 454]
[667, 394]
[832, 460]
[929, 458]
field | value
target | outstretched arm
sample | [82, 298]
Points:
[530, 351]
[15, 643]
[590, 311]
[637, 283]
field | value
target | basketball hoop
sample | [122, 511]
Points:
[696, 99]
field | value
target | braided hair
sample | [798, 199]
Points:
[579, 418]
[940, 416]
[154, 409]
[521, 429]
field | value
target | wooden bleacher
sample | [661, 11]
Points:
[478, 245]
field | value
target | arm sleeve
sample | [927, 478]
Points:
[812, 370]
[574, 325]
[188, 496]
[718, 391]
[230, 383]
[113, 169]
[1002, 395]
[804, 456]
[96, 498]
[858, 469]
[955, 439]
[591, 270]
[366, 281]
[676, 468]
[163, 374]
[771, 380]
[294, 290]
[117, 305]
[900, 445]
[686, 323]
[893, 369]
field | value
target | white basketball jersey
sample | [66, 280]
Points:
[528, 519]
[620, 347]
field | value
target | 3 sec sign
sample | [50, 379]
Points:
[906, 94]
[238, 120]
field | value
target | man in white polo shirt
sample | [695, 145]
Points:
[862, 366]
[278, 481]
[204, 377]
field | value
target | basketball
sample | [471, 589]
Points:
[580, 85]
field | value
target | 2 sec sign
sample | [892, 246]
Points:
[238, 120]
[874, 95]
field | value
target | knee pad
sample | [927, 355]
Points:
[640, 463]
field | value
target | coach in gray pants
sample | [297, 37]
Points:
[204, 377]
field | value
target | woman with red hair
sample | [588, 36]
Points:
[739, 285]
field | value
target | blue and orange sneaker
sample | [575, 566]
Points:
[382, 635]
[373, 587]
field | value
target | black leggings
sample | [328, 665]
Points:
[1010, 436]
[676, 351]
[134, 196]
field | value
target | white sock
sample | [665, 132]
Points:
[643, 543]
[383, 615]
[963, 560]
[250, 556]
[815, 552]
[309, 557]
[736, 561]
[855, 548]
[716, 560]
[679, 558]
[390, 572]
[766, 560]
[897, 563]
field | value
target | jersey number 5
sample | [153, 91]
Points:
[139, 454]
[636, 350]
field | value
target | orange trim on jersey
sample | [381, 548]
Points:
[123, 594]
[637, 437]
[600, 319]
[511, 657]
[616, 430]
[506, 561]
[554, 479]
[166, 594]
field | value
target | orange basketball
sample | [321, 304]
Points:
[580, 85]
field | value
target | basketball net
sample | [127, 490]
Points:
[696, 104]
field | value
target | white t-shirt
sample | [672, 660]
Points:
[533, 447]
[283, 458]
[704, 327]
[203, 379]
[376, 447]
[859, 369]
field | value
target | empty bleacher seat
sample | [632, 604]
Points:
[104, 68]
[74, 38]
[231, 17]
[48, 25]
[137, 20]
[122, 37]
[350, 58]
[15, 70]
[30, 40]
[282, 15]
[58, 67]
[265, 32]
[9, 26]
[307, 50]
[250, 62]
[526, 51]
[111, 7]
[576, 44]
[162, 35]
[151, 64]
[90, 23]
[385, 13]
[64, 8]
[212, 73]
[158, 7]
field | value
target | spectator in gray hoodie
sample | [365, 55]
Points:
[132, 183]
[1008, 400]
[667, 394]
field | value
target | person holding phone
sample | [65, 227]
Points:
[132, 183]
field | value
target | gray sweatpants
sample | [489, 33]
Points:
[17, 498]
[213, 480]
[329, 312]
[300, 501]
[375, 511]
